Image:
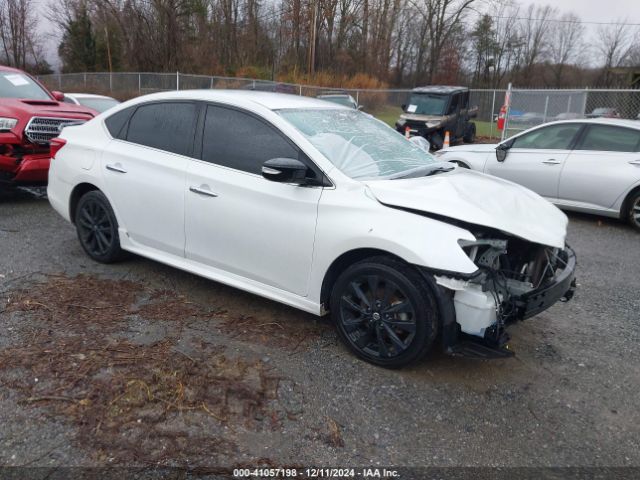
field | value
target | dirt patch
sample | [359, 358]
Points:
[134, 403]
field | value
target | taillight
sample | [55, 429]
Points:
[55, 144]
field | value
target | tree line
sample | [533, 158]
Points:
[381, 42]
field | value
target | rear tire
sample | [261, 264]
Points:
[385, 312]
[470, 133]
[97, 228]
[633, 214]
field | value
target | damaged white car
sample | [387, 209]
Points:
[319, 207]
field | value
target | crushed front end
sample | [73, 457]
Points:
[515, 280]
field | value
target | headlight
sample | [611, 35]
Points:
[7, 123]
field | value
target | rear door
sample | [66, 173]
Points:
[604, 164]
[145, 170]
[240, 222]
[536, 158]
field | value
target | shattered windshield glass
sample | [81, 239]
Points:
[358, 144]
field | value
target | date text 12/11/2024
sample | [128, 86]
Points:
[315, 473]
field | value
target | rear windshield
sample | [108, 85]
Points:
[427, 104]
[19, 85]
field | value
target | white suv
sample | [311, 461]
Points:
[320, 207]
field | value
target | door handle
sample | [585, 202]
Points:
[116, 168]
[552, 161]
[202, 191]
[635, 162]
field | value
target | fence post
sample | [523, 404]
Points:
[584, 102]
[300, 89]
[110, 82]
[357, 97]
[60, 81]
[507, 101]
[177, 80]
[210, 83]
[139, 84]
[493, 109]
[546, 109]
[85, 80]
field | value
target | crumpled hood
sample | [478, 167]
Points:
[478, 199]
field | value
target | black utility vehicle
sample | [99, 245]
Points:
[432, 111]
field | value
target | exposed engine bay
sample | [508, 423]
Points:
[516, 279]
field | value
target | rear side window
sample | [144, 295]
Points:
[166, 126]
[555, 137]
[611, 139]
[238, 140]
[116, 122]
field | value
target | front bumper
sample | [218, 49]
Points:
[560, 288]
[31, 169]
[494, 343]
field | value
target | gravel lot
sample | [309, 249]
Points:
[141, 364]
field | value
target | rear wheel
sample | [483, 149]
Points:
[633, 215]
[469, 133]
[97, 228]
[385, 311]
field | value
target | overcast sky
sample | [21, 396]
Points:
[587, 10]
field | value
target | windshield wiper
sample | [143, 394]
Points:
[424, 171]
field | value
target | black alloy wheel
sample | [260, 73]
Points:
[97, 228]
[634, 211]
[384, 311]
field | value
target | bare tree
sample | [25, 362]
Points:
[565, 45]
[18, 32]
[615, 43]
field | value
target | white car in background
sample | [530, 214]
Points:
[99, 103]
[590, 165]
[320, 207]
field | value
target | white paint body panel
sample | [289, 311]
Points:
[586, 181]
[278, 240]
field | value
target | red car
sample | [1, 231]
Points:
[30, 116]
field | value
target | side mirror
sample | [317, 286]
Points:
[502, 150]
[285, 170]
[359, 107]
[59, 96]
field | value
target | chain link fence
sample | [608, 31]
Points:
[528, 107]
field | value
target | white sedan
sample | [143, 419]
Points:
[99, 103]
[590, 166]
[317, 206]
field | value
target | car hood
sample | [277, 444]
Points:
[478, 199]
[44, 108]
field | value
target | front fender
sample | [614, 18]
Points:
[366, 223]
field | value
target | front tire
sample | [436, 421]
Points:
[385, 312]
[633, 214]
[97, 228]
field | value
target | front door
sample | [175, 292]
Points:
[240, 222]
[536, 158]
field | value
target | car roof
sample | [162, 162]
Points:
[270, 100]
[88, 95]
[619, 122]
[442, 89]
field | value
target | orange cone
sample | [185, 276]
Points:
[407, 130]
[446, 140]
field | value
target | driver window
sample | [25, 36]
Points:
[453, 107]
[555, 137]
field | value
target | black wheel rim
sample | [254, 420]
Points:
[377, 316]
[95, 228]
